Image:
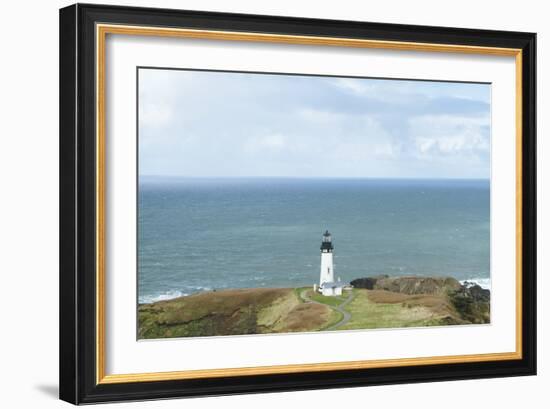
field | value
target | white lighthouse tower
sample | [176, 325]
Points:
[327, 266]
[327, 285]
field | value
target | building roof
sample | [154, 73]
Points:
[332, 284]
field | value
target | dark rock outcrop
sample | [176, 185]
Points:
[367, 282]
[472, 302]
[476, 292]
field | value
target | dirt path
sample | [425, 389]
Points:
[340, 308]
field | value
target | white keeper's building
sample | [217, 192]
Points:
[327, 284]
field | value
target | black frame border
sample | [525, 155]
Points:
[78, 204]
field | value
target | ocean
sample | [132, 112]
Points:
[204, 234]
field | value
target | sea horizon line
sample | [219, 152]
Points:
[147, 176]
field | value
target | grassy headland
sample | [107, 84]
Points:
[232, 312]
[375, 302]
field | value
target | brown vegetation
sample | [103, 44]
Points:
[377, 302]
[440, 307]
[231, 312]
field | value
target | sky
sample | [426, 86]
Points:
[219, 124]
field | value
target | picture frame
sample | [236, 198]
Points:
[84, 284]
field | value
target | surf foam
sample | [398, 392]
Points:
[484, 283]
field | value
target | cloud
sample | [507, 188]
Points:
[272, 143]
[155, 114]
[448, 135]
[231, 124]
[385, 150]
[355, 87]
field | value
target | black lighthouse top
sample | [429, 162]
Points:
[326, 244]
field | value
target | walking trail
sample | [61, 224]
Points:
[340, 308]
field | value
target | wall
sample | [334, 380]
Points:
[28, 220]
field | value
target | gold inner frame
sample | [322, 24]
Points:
[101, 33]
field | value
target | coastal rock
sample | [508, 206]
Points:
[473, 303]
[476, 292]
[367, 282]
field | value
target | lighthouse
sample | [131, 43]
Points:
[327, 285]
[327, 266]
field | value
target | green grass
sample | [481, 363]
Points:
[232, 312]
[272, 310]
[367, 314]
[298, 291]
[335, 317]
[332, 301]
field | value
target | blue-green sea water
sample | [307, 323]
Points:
[204, 234]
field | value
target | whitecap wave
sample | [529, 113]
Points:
[482, 282]
[168, 295]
